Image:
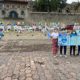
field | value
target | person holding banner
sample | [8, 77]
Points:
[78, 51]
[63, 35]
[54, 38]
[72, 47]
[78, 33]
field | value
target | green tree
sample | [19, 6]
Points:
[41, 5]
[49, 5]
[57, 4]
[76, 7]
[63, 3]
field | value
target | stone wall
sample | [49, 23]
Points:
[34, 17]
[53, 17]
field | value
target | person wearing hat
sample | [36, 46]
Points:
[63, 33]
[54, 38]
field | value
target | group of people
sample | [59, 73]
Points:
[63, 48]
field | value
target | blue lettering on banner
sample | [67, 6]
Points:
[69, 41]
[63, 40]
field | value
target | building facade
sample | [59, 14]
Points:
[13, 9]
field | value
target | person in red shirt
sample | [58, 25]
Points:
[54, 38]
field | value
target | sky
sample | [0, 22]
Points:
[70, 1]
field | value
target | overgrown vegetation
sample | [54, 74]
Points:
[49, 5]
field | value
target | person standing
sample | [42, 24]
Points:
[78, 33]
[34, 27]
[54, 38]
[63, 47]
[78, 50]
[72, 47]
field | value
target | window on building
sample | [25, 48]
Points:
[22, 13]
[7, 6]
[24, 7]
[18, 6]
[3, 12]
[13, 6]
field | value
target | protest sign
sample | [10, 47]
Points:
[78, 32]
[69, 40]
[73, 40]
[64, 40]
[78, 40]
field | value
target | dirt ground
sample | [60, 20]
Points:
[29, 57]
[25, 42]
[24, 35]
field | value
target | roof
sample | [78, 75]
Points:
[14, 1]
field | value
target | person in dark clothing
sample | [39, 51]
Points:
[63, 47]
[72, 47]
[78, 33]
[78, 50]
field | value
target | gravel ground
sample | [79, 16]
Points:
[31, 59]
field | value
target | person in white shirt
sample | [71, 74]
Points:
[9, 27]
[54, 37]
[34, 27]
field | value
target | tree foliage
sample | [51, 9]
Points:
[49, 5]
[77, 6]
